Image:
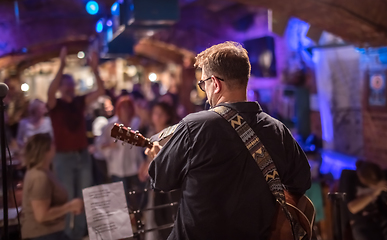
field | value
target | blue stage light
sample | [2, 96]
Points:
[115, 9]
[109, 23]
[92, 7]
[99, 26]
[312, 147]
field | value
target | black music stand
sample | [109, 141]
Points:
[138, 235]
[337, 199]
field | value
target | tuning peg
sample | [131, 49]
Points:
[120, 128]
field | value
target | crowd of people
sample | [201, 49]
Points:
[65, 146]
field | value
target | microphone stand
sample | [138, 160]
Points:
[4, 169]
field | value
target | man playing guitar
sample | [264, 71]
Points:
[224, 192]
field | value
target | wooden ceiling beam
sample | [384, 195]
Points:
[161, 52]
[41, 53]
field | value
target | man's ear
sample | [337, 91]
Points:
[217, 84]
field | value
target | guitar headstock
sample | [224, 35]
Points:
[127, 135]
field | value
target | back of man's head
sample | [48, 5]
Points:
[229, 61]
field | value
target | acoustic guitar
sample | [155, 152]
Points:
[300, 207]
[127, 135]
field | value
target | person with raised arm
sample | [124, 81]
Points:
[72, 163]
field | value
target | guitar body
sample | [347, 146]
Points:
[303, 212]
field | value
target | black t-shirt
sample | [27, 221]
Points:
[224, 194]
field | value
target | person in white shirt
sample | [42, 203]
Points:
[104, 109]
[123, 161]
[35, 123]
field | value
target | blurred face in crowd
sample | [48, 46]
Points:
[37, 109]
[39, 151]
[108, 107]
[159, 118]
[125, 112]
[167, 98]
[367, 181]
[67, 87]
[369, 174]
[141, 110]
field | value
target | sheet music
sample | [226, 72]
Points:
[107, 212]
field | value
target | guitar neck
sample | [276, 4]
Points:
[127, 135]
[149, 145]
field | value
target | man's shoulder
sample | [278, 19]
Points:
[205, 124]
[202, 117]
[268, 120]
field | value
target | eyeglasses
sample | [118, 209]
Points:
[201, 82]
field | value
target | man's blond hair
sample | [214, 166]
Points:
[229, 61]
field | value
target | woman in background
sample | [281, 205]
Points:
[36, 122]
[103, 112]
[162, 117]
[44, 198]
[123, 161]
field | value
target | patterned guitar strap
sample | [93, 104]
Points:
[263, 159]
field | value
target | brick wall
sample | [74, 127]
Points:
[375, 136]
[315, 123]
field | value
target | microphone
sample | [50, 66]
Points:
[3, 90]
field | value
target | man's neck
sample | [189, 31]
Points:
[228, 97]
